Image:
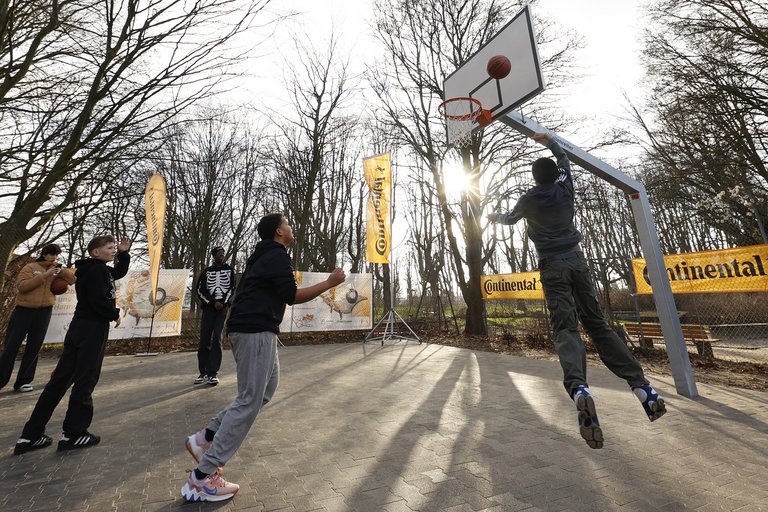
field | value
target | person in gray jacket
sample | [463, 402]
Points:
[570, 293]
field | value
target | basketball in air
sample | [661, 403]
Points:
[59, 286]
[498, 67]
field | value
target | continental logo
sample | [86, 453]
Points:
[377, 170]
[155, 228]
[740, 269]
[381, 228]
[731, 270]
[523, 285]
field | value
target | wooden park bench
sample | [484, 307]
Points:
[696, 334]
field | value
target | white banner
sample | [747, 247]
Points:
[347, 307]
[133, 299]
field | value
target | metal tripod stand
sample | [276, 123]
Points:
[391, 318]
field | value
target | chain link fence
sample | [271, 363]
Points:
[734, 323]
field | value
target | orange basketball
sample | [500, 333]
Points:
[59, 286]
[498, 67]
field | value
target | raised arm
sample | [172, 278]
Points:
[562, 159]
[123, 259]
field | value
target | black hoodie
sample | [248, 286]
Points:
[95, 288]
[267, 285]
[549, 210]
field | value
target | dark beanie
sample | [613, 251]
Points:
[216, 249]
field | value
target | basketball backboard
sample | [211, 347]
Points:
[516, 41]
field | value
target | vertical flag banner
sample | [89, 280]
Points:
[378, 225]
[154, 205]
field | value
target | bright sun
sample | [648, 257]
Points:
[455, 180]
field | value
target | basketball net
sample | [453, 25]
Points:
[461, 114]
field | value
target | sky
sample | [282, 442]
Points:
[609, 61]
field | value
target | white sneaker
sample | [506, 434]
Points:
[197, 445]
[25, 388]
[211, 488]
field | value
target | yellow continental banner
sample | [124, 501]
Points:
[742, 269]
[522, 285]
[154, 204]
[378, 224]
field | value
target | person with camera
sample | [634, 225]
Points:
[31, 316]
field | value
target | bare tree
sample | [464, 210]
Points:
[315, 157]
[216, 188]
[425, 40]
[86, 82]
[707, 131]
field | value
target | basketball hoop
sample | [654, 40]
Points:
[461, 114]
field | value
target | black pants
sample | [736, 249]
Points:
[31, 323]
[80, 367]
[571, 297]
[209, 350]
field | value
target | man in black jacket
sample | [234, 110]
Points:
[549, 208]
[267, 285]
[214, 288]
[80, 363]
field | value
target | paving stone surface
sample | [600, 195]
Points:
[406, 427]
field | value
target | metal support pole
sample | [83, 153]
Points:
[391, 316]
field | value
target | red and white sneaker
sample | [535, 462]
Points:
[197, 445]
[211, 488]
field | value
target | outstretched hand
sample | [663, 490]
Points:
[492, 217]
[125, 244]
[541, 138]
[337, 277]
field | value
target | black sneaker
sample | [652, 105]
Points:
[27, 445]
[75, 442]
[213, 380]
[202, 378]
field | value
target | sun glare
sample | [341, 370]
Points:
[455, 180]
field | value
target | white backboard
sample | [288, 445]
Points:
[517, 42]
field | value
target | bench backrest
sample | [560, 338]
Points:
[651, 330]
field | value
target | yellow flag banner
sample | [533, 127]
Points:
[378, 225]
[154, 205]
[522, 285]
[741, 269]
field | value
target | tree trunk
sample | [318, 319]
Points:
[475, 320]
[8, 244]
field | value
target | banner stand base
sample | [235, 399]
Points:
[391, 318]
[146, 354]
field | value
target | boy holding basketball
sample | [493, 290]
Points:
[80, 363]
[570, 294]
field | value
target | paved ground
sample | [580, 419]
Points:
[405, 427]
